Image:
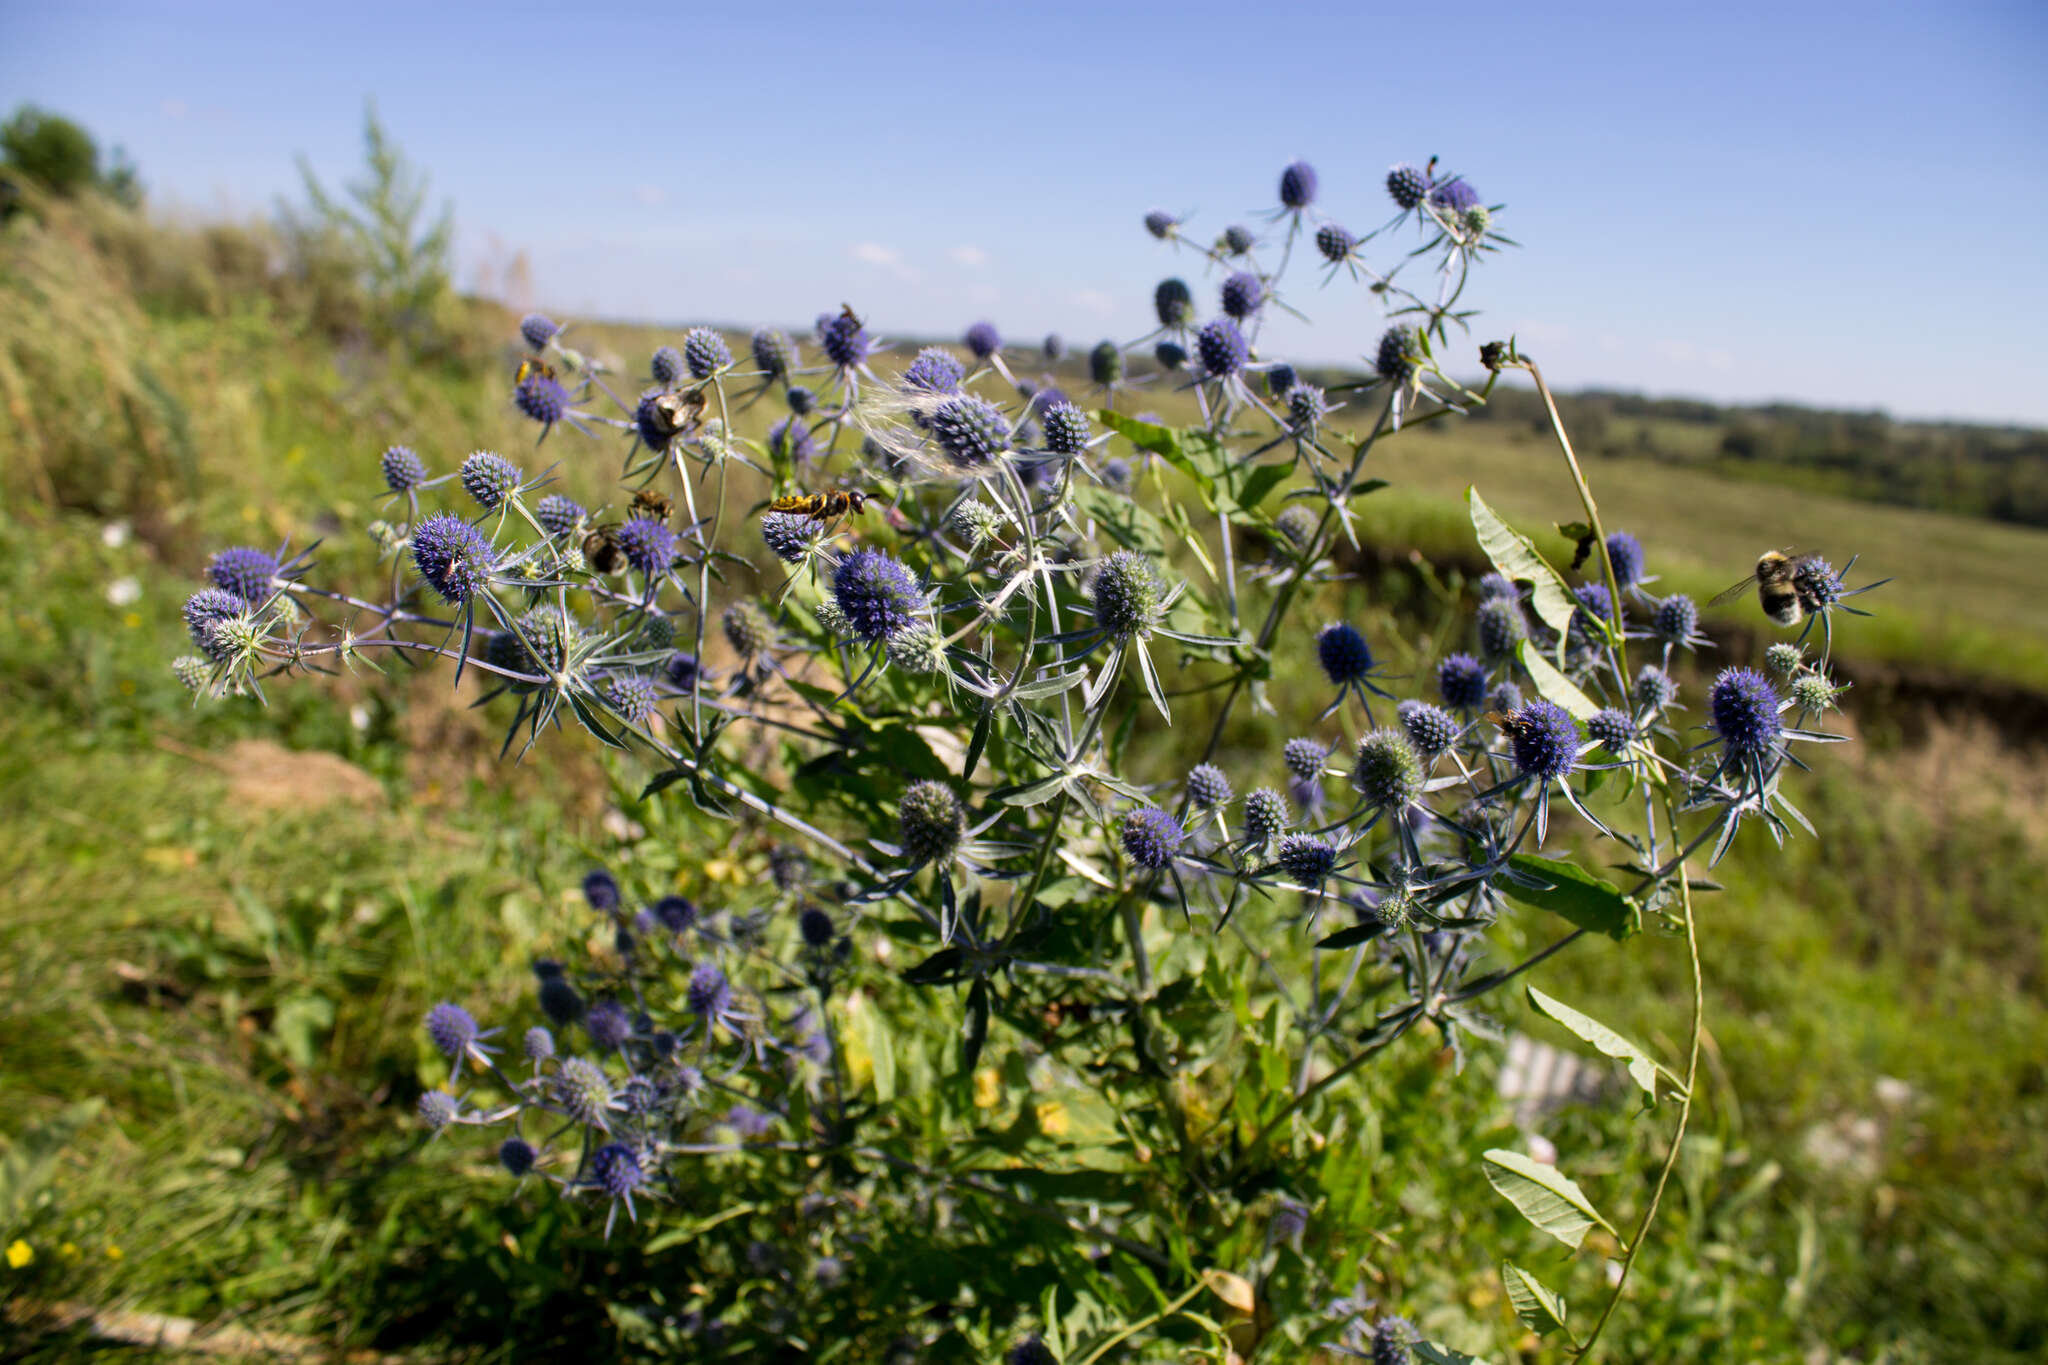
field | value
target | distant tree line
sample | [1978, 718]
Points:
[1999, 472]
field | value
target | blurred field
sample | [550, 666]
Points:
[228, 948]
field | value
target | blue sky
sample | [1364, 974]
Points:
[1834, 203]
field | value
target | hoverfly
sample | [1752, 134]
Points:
[529, 367]
[821, 506]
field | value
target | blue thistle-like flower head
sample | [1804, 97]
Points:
[1497, 584]
[1171, 355]
[1126, 593]
[667, 365]
[1305, 757]
[403, 470]
[934, 371]
[816, 927]
[558, 999]
[438, 1109]
[246, 572]
[615, 1168]
[453, 557]
[876, 593]
[1305, 858]
[1395, 359]
[747, 630]
[1544, 739]
[1306, 407]
[1431, 729]
[1501, 627]
[1151, 838]
[1595, 604]
[538, 329]
[542, 398]
[1297, 523]
[774, 353]
[516, 1155]
[538, 1045]
[631, 696]
[1408, 185]
[1174, 303]
[844, 339]
[1818, 585]
[1207, 786]
[1105, 363]
[705, 352]
[1783, 659]
[971, 431]
[489, 478]
[1298, 185]
[452, 1029]
[649, 545]
[1265, 815]
[930, 822]
[1613, 730]
[1336, 243]
[788, 536]
[558, 515]
[1461, 679]
[675, 913]
[1388, 772]
[710, 993]
[1243, 292]
[1032, 1350]
[1625, 552]
[1238, 240]
[1391, 1338]
[1066, 429]
[608, 1025]
[1055, 348]
[1161, 224]
[1279, 379]
[1745, 711]
[1505, 698]
[1675, 619]
[1222, 348]
[1454, 195]
[601, 890]
[1654, 689]
[1343, 653]
[790, 439]
[583, 1091]
[983, 340]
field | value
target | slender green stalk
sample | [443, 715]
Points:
[1126, 1333]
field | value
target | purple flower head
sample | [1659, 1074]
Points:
[1544, 739]
[1222, 348]
[1395, 360]
[1391, 1338]
[876, 593]
[1207, 786]
[774, 353]
[1238, 240]
[1151, 837]
[516, 1155]
[934, 371]
[490, 478]
[790, 439]
[1818, 585]
[1594, 604]
[1388, 772]
[1054, 347]
[1431, 729]
[1501, 627]
[608, 1025]
[1171, 355]
[1335, 243]
[631, 696]
[1343, 653]
[1280, 378]
[710, 995]
[1066, 429]
[649, 545]
[930, 822]
[1626, 553]
[1174, 302]
[1298, 185]
[1745, 708]
[538, 1045]
[705, 352]
[787, 535]
[1461, 681]
[1305, 858]
[984, 340]
[1454, 195]
[667, 365]
[681, 670]
[583, 1091]
[541, 397]
[538, 329]
[1243, 292]
[675, 913]
[1305, 757]
[601, 889]
[438, 1109]
[971, 431]
[1675, 619]
[559, 516]
[1105, 363]
[1032, 1350]
[1408, 185]
[815, 926]
[1265, 815]
[1126, 593]
[452, 556]
[844, 339]
[1161, 224]
[246, 572]
[1307, 406]
[1654, 688]
[452, 1029]
[403, 470]
[558, 999]
[1612, 729]
[615, 1168]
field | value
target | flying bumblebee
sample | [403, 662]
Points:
[821, 506]
[1780, 590]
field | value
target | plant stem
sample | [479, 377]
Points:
[1126, 1333]
[1592, 514]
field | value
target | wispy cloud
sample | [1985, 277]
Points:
[968, 255]
[1096, 302]
[885, 257]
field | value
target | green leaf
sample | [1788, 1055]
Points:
[1573, 894]
[881, 1051]
[1517, 558]
[1130, 525]
[976, 1032]
[1641, 1069]
[1430, 1353]
[1552, 685]
[1546, 1196]
[1262, 480]
[1541, 1311]
[1352, 937]
[1144, 435]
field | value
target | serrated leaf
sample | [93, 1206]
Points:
[1517, 558]
[1552, 685]
[1641, 1069]
[1546, 1196]
[1572, 893]
[1541, 1311]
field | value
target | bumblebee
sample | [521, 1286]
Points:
[1784, 598]
[678, 414]
[529, 367]
[653, 505]
[601, 549]
[821, 506]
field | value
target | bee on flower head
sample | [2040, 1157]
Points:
[653, 504]
[1778, 587]
[530, 366]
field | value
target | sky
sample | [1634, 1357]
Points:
[1836, 204]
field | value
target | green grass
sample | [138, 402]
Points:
[240, 986]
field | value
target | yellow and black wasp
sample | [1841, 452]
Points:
[529, 367]
[821, 506]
